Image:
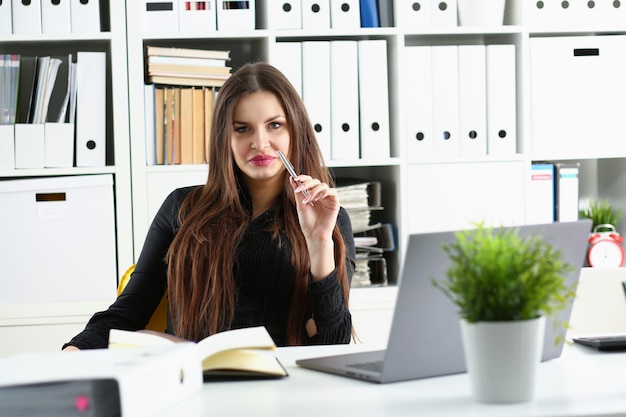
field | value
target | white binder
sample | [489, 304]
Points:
[501, 100]
[55, 16]
[344, 98]
[29, 146]
[604, 13]
[538, 14]
[26, 17]
[345, 14]
[472, 100]
[414, 14]
[85, 16]
[287, 58]
[315, 14]
[160, 16]
[445, 75]
[197, 16]
[285, 14]
[577, 95]
[419, 101]
[443, 13]
[235, 16]
[91, 109]
[316, 91]
[7, 147]
[373, 99]
[566, 188]
[6, 18]
[540, 199]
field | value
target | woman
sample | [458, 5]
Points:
[251, 246]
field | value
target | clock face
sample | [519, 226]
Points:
[606, 253]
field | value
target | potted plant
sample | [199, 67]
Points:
[601, 213]
[505, 286]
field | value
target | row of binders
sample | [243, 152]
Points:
[22, 17]
[460, 100]
[559, 13]
[344, 86]
[553, 192]
[53, 111]
[210, 15]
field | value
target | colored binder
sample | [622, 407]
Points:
[566, 191]
[373, 99]
[501, 100]
[385, 13]
[412, 14]
[287, 57]
[285, 14]
[419, 101]
[91, 109]
[186, 126]
[345, 14]
[26, 17]
[196, 16]
[316, 84]
[540, 196]
[55, 16]
[235, 15]
[85, 16]
[445, 75]
[6, 18]
[472, 100]
[344, 99]
[160, 16]
[369, 14]
[315, 14]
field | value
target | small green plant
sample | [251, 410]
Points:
[496, 275]
[601, 212]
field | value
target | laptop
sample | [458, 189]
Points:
[425, 336]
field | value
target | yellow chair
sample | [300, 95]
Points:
[158, 321]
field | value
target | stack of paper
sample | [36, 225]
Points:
[184, 66]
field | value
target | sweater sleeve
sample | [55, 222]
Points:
[132, 310]
[326, 302]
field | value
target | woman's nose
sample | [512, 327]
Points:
[260, 140]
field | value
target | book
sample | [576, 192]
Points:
[98, 382]
[242, 352]
[187, 52]
[186, 62]
[191, 70]
[186, 81]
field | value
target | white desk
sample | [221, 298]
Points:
[580, 383]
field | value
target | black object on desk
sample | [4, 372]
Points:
[603, 343]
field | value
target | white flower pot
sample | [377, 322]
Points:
[502, 358]
[481, 12]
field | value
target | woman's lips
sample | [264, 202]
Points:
[262, 160]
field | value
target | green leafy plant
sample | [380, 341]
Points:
[497, 275]
[601, 212]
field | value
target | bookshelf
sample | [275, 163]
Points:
[420, 193]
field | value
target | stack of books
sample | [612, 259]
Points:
[188, 67]
[372, 239]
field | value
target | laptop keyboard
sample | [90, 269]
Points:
[374, 366]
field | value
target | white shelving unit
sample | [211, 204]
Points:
[46, 326]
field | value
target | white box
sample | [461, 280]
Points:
[58, 240]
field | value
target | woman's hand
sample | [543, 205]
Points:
[317, 213]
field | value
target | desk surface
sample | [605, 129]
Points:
[582, 382]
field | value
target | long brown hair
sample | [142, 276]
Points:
[201, 286]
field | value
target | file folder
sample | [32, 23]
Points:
[369, 14]
[7, 147]
[344, 99]
[197, 16]
[29, 146]
[316, 91]
[287, 58]
[443, 13]
[419, 101]
[445, 75]
[414, 14]
[540, 199]
[285, 14]
[236, 15]
[315, 14]
[160, 16]
[85, 16]
[373, 99]
[577, 95]
[26, 17]
[6, 18]
[385, 13]
[501, 100]
[566, 189]
[345, 14]
[91, 109]
[55, 16]
[58, 145]
[472, 100]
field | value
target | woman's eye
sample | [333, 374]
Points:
[241, 129]
[275, 125]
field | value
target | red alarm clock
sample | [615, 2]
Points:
[605, 248]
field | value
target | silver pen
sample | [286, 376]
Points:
[292, 171]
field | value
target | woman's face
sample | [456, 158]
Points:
[259, 129]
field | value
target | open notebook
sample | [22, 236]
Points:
[425, 336]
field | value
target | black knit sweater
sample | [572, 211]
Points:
[264, 276]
